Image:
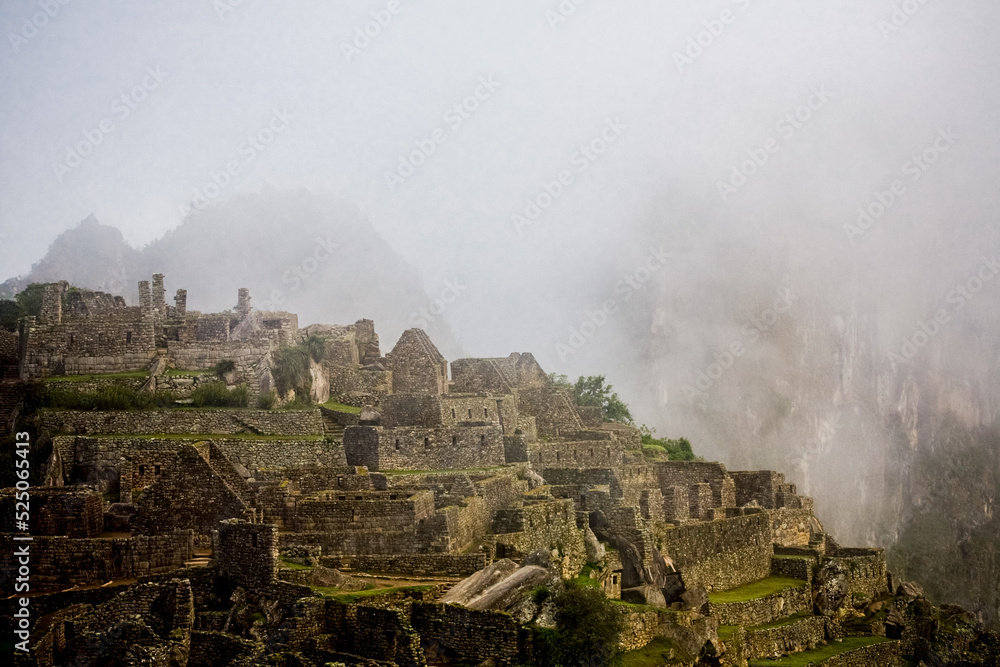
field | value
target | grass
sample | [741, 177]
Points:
[293, 566]
[211, 436]
[755, 590]
[583, 579]
[820, 654]
[131, 375]
[360, 596]
[340, 407]
[440, 472]
[660, 651]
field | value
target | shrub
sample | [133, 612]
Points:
[267, 401]
[588, 627]
[290, 369]
[225, 366]
[218, 395]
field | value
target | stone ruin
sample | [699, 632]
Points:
[178, 536]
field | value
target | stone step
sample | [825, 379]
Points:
[848, 652]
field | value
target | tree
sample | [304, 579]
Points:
[594, 391]
[31, 298]
[588, 624]
[10, 313]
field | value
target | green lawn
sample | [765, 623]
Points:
[173, 372]
[360, 596]
[96, 376]
[210, 436]
[340, 407]
[756, 589]
[818, 655]
[439, 472]
[658, 652]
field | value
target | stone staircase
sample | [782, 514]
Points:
[224, 469]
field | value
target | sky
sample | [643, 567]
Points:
[537, 154]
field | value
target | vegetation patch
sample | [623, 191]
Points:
[112, 397]
[340, 407]
[130, 375]
[818, 655]
[360, 596]
[660, 651]
[588, 627]
[755, 590]
[218, 395]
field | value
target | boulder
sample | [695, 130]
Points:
[830, 588]
[909, 589]
[696, 599]
[646, 594]
[595, 550]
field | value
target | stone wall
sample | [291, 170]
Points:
[576, 454]
[190, 495]
[356, 386]
[417, 366]
[498, 375]
[211, 648]
[720, 554]
[767, 609]
[552, 409]
[689, 473]
[380, 448]
[884, 653]
[421, 410]
[183, 421]
[801, 635]
[368, 632]
[454, 565]
[74, 512]
[333, 511]
[549, 526]
[866, 568]
[247, 553]
[110, 343]
[759, 486]
[796, 567]
[468, 635]
[63, 561]
[791, 527]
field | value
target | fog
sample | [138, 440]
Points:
[747, 215]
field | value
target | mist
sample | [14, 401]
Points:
[771, 226]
